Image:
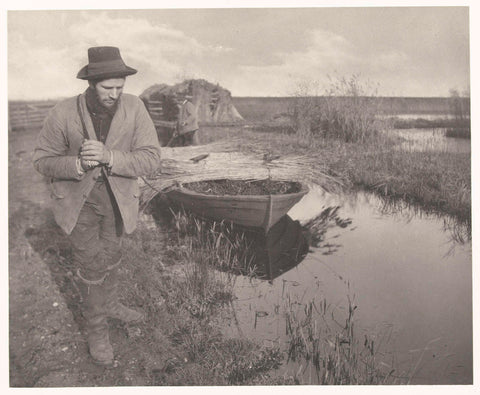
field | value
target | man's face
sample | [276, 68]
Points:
[109, 91]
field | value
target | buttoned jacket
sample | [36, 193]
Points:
[132, 139]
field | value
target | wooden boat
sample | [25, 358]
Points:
[256, 211]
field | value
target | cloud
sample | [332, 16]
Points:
[39, 72]
[138, 36]
[162, 54]
[327, 55]
[46, 50]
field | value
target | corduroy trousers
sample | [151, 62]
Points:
[96, 238]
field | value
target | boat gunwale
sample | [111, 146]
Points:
[260, 198]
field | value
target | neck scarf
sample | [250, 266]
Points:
[101, 116]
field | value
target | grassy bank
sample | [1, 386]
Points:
[177, 282]
[436, 181]
[192, 287]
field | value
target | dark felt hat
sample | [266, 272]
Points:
[104, 63]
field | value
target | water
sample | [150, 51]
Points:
[410, 281]
[413, 116]
[431, 140]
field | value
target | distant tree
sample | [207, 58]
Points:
[460, 105]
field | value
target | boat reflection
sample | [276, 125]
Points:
[282, 248]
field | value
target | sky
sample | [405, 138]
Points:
[394, 51]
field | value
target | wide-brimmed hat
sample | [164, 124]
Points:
[104, 63]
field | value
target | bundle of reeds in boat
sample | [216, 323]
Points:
[182, 165]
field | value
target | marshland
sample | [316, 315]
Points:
[371, 282]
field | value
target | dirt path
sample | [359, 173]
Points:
[46, 344]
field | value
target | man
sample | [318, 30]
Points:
[187, 125]
[93, 147]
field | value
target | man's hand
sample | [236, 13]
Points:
[93, 150]
[88, 164]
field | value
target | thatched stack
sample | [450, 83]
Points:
[214, 103]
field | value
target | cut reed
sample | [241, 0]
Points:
[220, 161]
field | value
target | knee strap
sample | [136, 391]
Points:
[91, 282]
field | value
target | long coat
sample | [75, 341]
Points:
[187, 118]
[132, 139]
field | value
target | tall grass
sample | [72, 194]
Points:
[438, 182]
[214, 244]
[329, 351]
[368, 157]
[202, 251]
[460, 108]
[176, 279]
[347, 110]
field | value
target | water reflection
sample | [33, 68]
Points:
[288, 242]
[284, 248]
[397, 263]
[394, 261]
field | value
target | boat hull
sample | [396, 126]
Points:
[256, 211]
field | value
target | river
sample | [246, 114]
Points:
[408, 275]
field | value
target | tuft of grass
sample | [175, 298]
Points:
[214, 244]
[329, 352]
[245, 364]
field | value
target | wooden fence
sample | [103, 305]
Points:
[31, 114]
[155, 110]
[25, 115]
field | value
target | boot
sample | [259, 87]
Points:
[113, 308]
[99, 346]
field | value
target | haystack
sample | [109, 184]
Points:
[214, 103]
